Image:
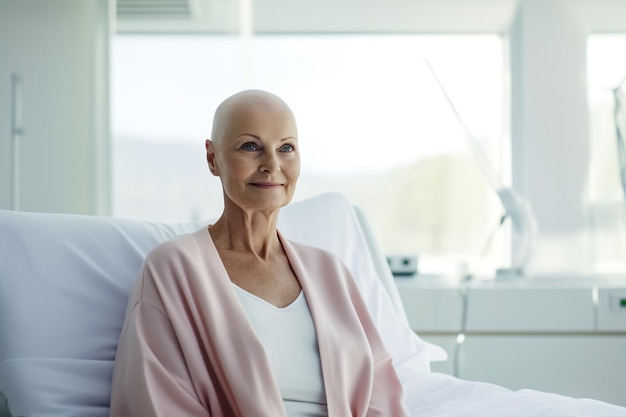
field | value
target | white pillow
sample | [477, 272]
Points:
[64, 283]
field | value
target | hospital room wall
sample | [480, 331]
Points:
[53, 72]
[549, 124]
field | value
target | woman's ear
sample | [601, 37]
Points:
[210, 156]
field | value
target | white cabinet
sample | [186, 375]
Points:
[566, 337]
[577, 365]
[59, 49]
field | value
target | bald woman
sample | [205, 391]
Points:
[234, 319]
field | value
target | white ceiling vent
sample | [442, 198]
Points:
[176, 16]
[153, 9]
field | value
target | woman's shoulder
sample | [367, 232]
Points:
[309, 250]
[174, 261]
[176, 247]
[316, 258]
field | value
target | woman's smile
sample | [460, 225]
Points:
[266, 185]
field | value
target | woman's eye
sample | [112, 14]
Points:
[249, 146]
[287, 148]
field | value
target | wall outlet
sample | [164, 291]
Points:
[617, 303]
[402, 265]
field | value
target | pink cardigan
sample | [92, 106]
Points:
[187, 347]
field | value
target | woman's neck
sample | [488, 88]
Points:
[247, 231]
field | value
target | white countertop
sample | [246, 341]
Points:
[534, 305]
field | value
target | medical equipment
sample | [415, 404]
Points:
[515, 207]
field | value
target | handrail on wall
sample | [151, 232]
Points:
[16, 134]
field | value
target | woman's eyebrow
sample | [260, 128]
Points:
[258, 138]
[249, 134]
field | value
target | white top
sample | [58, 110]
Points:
[290, 342]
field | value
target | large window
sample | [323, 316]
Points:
[607, 182]
[373, 125]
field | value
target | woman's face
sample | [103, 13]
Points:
[257, 158]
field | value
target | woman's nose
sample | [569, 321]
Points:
[269, 164]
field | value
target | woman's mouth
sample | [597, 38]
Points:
[266, 184]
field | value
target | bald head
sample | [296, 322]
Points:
[254, 151]
[238, 108]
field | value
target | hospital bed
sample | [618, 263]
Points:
[64, 282]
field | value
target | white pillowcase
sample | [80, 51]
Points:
[65, 279]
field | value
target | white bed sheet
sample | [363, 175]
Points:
[440, 395]
[429, 395]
